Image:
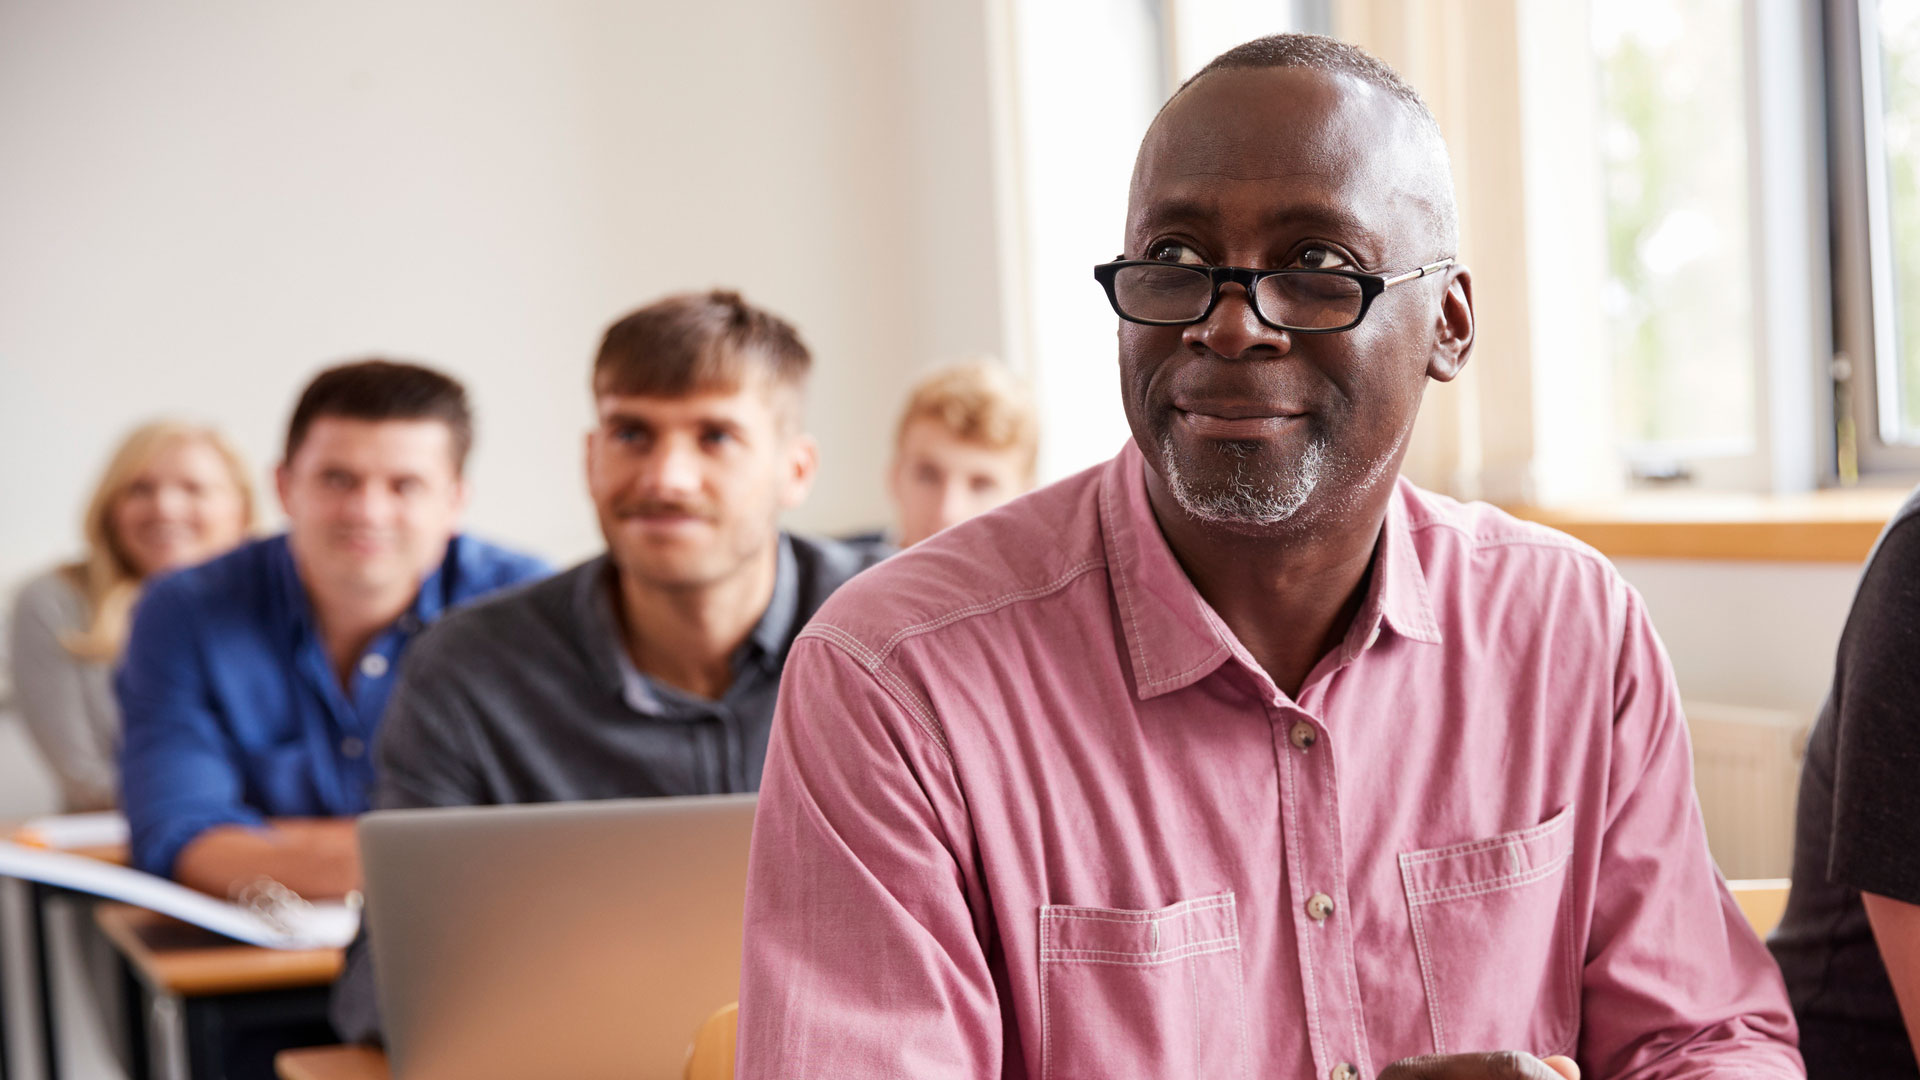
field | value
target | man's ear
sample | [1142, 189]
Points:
[281, 482]
[1453, 330]
[797, 472]
[461, 493]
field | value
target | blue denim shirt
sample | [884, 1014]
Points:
[232, 712]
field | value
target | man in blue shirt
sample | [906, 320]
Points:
[252, 685]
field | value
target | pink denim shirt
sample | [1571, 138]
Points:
[1031, 810]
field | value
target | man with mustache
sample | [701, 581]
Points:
[253, 684]
[1240, 756]
[652, 669]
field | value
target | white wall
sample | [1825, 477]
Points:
[202, 203]
[1748, 633]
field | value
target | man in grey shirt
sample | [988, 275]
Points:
[1849, 944]
[650, 670]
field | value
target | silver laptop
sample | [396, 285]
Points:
[566, 940]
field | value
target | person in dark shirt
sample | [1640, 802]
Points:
[252, 685]
[1849, 943]
[652, 669]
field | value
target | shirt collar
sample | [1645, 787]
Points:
[1174, 637]
[775, 630]
[593, 603]
[429, 600]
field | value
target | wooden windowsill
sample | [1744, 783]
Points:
[1822, 527]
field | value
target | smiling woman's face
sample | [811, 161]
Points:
[182, 508]
[1247, 426]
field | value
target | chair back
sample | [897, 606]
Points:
[711, 1056]
[1762, 901]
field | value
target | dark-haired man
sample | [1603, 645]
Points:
[1239, 756]
[650, 670]
[253, 684]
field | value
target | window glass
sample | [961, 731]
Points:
[1899, 25]
[1679, 287]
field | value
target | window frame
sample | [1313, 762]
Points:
[1863, 303]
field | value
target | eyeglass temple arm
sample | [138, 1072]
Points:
[1416, 272]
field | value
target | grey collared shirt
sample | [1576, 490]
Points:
[530, 697]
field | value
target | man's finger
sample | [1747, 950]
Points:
[1500, 1065]
[1562, 1065]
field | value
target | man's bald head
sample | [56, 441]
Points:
[1330, 56]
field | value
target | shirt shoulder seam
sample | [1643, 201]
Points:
[1544, 539]
[890, 681]
[988, 607]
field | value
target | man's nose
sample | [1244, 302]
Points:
[955, 504]
[368, 503]
[672, 469]
[1234, 331]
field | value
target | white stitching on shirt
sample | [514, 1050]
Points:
[902, 694]
[1424, 952]
[1046, 1036]
[1141, 959]
[986, 607]
[1315, 1035]
[1126, 594]
[1067, 911]
[1487, 885]
[1346, 936]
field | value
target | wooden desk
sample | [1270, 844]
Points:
[183, 959]
[331, 1063]
[215, 1008]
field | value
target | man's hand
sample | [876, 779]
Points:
[1505, 1065]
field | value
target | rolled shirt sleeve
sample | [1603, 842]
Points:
[1676, 984]
[864, 956]
[178, 772]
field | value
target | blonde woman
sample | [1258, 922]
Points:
[174, 494]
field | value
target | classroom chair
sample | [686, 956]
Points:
[1762, 901]
[711, 1055]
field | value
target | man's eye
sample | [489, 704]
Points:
[1174, 252]
[716, 437]
[1320, 257]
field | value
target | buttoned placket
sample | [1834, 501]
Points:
[1317, 880]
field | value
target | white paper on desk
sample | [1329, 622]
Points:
[64, 832]
[315, 926]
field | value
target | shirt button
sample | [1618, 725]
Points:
[1303, 736]
[1344, 1071]
[1319, 906]
[373, 665]
[352, 747]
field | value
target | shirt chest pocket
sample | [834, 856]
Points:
[1142, 995]
[1493, 926]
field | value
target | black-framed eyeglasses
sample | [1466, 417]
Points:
[1299, 301]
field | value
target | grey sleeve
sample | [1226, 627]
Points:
[1876, 689]
[426, 751]
[59, 695]
[422, 757]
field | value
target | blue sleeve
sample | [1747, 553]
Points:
[517, 569]
[180, 772]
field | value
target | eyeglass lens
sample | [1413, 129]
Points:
[1304, 299]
